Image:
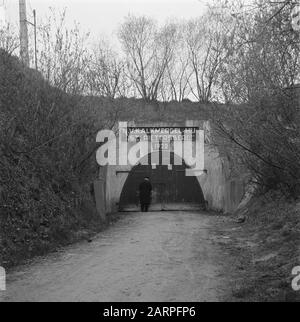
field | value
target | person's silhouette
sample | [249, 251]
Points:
[145, 189]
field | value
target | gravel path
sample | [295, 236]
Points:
[159, 256]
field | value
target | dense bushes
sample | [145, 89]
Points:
[262, 74]
[47, 139]
[264, 137]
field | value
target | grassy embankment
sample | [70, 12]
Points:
[264, 250]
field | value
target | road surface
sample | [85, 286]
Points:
[159, 256]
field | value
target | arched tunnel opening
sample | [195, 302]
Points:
[172, 188]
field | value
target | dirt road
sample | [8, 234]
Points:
[160, 256]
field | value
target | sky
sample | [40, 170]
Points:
[102, 17]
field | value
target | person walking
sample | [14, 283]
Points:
[145, 190]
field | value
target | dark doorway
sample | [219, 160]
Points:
[172, 189]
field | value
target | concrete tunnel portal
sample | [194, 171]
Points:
[215, 188]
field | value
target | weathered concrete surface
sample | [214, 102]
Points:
[221, 191]
[162, 256]
[99, 191]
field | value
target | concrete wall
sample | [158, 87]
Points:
[221, 192]
[100, 193]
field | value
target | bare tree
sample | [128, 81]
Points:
[175, 84]
[205, 40]
[62, 53]
[263, 53]
[106, 73]
[9, 40]
[262, 73]
[148, 52]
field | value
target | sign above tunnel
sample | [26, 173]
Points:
[165, 134]
[161, 138]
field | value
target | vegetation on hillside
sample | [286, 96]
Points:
[47, 162]
[265, 251]
[262, 74]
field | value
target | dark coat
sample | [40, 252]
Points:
[145, 189]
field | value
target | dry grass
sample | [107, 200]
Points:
[264, 252]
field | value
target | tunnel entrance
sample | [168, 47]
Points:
[172, 189]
